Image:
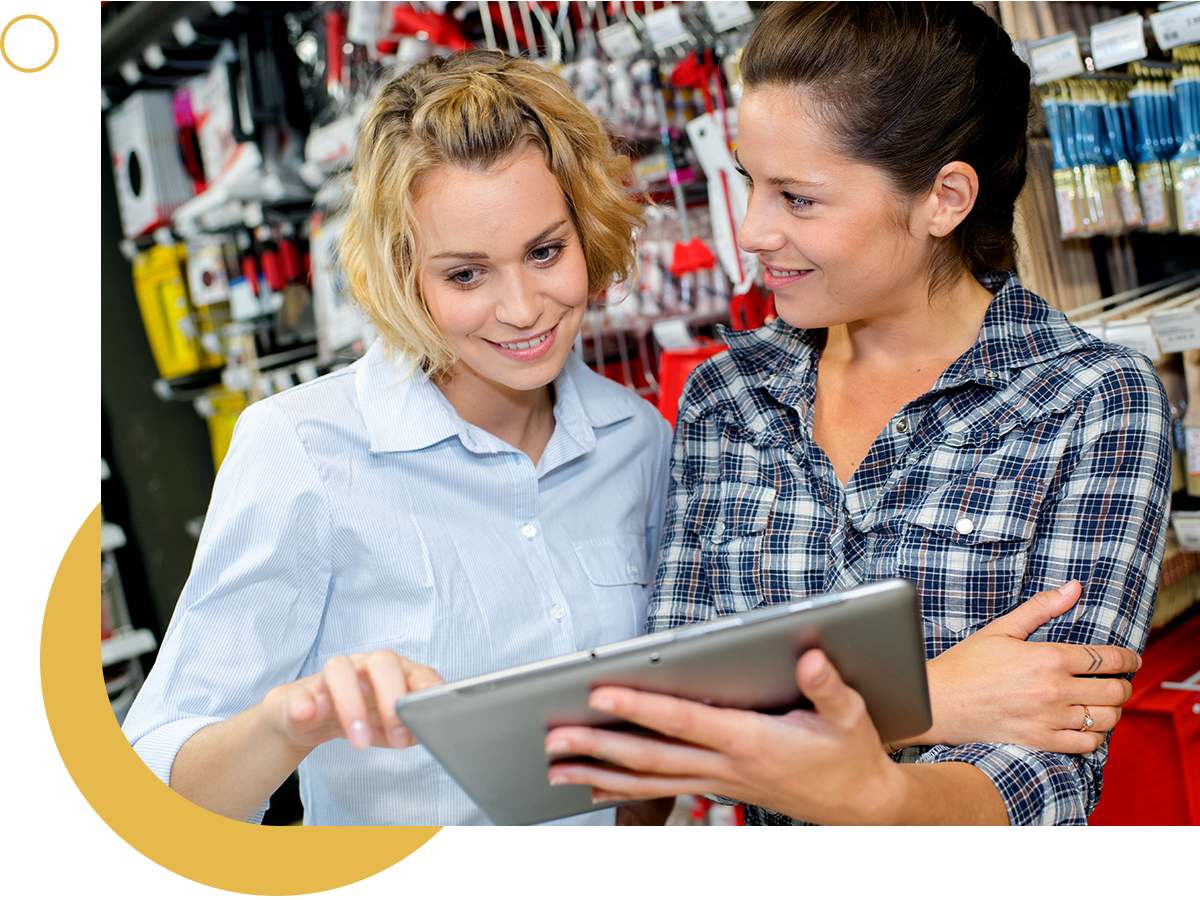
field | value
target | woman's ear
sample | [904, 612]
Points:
[951, 198]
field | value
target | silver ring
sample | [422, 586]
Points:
[1088, 721]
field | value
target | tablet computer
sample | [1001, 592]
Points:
[489, 731]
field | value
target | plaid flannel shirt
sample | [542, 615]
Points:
[1041, 455]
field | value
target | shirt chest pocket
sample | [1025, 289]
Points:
[967, 546]
[618, 575]
[729, 521]
[614, 560]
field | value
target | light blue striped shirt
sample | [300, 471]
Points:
[359, 511]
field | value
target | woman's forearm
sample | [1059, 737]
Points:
[233, 767]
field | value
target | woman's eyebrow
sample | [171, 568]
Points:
[782, 180]
[472, 254]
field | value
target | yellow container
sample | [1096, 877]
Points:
[161, 290]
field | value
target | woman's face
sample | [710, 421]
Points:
[505, 278]
[827, 230]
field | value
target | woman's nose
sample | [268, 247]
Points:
[757, 233]
[519, 305]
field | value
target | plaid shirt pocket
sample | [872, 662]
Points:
[966, 547]
[729, 520]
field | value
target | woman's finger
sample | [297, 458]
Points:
[1084, 659]
[384, 673]
[342, 681]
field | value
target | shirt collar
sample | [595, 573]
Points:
[403, 413]
[1019, 330]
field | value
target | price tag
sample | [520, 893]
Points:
[306, 371]
[1138, 336]
[235, 378]
[1192, 450]
[673, 334]
[1177, 330]
[620, 41]
[665, 28]
[1118, 41]
[1187, 531]
[1054, 58]
[1177, 26]
[725, 16]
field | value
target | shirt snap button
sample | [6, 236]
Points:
[902, 426]
[530, 531]
[964, 526]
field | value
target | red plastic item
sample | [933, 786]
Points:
[1152, 776]
[691, 257]
[752, 309]
[674, 366]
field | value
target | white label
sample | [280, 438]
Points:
[1174, 27]
[235, 378]
[243, 304]
[729, 14]
[1055, 58]
[1139, 337]
[673, 334]
[1118, 41]
[1193, 450]
[620, 41]
[362, 24]
[1177, 330]
[1189, 202]
[1187, 531]
[1066, 213]
[1129, 205]
[665, 28]
[1154, 207]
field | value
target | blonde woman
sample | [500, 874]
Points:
[466, 497]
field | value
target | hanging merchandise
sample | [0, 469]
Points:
[1117, 141]
[151, 181]
[1154, 145]
[1185, 164]
[160, 285]
[339, 321]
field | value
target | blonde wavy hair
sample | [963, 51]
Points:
[476, 109]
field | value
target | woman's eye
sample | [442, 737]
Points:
[546, 253]
[796, 202]
[463, 277]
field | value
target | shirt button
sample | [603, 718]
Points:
[633, 570]
[530, 531]
[902, 426]
[557, 612]
[964, 526]
[719, 527]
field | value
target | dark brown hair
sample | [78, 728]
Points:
[908, 88]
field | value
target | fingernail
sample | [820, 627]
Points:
[1139, 665]
[556, 780]
[1068, 587]
[398, 736]
[557, 747]
[360, 735]
[822, 674]
[603, 704]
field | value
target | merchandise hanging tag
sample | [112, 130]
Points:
[620, 41]
[727, 15]
[1118, 41]
[1055, 58]
[1177, 26]
[665, 28]
[1177, 330]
